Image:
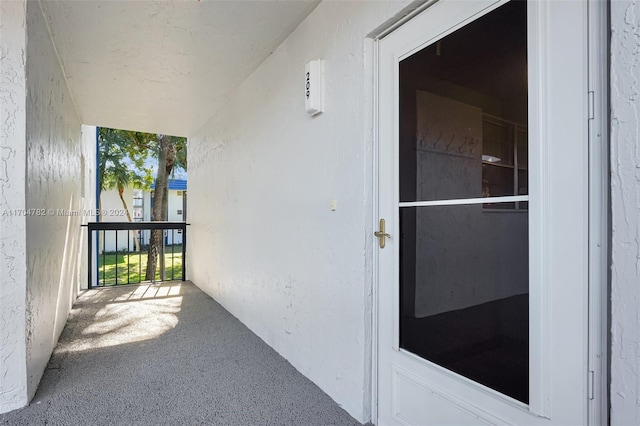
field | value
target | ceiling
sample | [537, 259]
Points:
[164, 66]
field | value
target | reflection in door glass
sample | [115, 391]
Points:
[464, 292]
[464, 268]
[463, 112]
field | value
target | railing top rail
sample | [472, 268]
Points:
[106, 226]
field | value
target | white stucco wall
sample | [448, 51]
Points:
[88, 191]
[263, 240]
[625, 212]
[13, 268]
[54, 181]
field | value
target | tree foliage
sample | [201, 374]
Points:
[120, 164]
[124, 156]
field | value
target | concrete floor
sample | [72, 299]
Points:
[168, 355]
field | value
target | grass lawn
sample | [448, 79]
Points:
[131, 267]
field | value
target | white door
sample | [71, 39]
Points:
[483, 166]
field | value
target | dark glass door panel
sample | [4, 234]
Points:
[464, 268]
[464, 292]
[463, 111]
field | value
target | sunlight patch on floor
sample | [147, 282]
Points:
[127, 315]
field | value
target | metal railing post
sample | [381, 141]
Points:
[89, 256]
[184, 251]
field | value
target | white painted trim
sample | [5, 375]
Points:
[446, 397]
[465, 380]
[598, 210]
[543, 265]
[537, 44]
[443, 31]
[395, 191]
[405, 15]
[457, 202]
[372, 46]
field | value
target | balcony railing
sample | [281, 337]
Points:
[117, 252]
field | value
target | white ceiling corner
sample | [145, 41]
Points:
[164, 66]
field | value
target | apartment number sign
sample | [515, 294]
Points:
[314, 87]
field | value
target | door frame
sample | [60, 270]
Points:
[598, 193]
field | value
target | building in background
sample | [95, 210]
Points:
[140, 203]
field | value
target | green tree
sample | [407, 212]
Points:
[170, 152]
[118, 169]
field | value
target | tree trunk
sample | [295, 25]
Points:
[136, 242]
[166, 160]
[100, 234]
[165, 209]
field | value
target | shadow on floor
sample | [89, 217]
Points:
[168, 354]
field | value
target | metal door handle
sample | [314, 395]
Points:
[381, 234]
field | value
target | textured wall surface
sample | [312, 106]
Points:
[625, 199]
[263, 240]
[176, 62]
[54, 182]
[13, 388]
[88, 191]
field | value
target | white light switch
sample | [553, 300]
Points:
[314, 87]
[333, 205]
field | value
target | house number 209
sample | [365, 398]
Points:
[313, 96]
